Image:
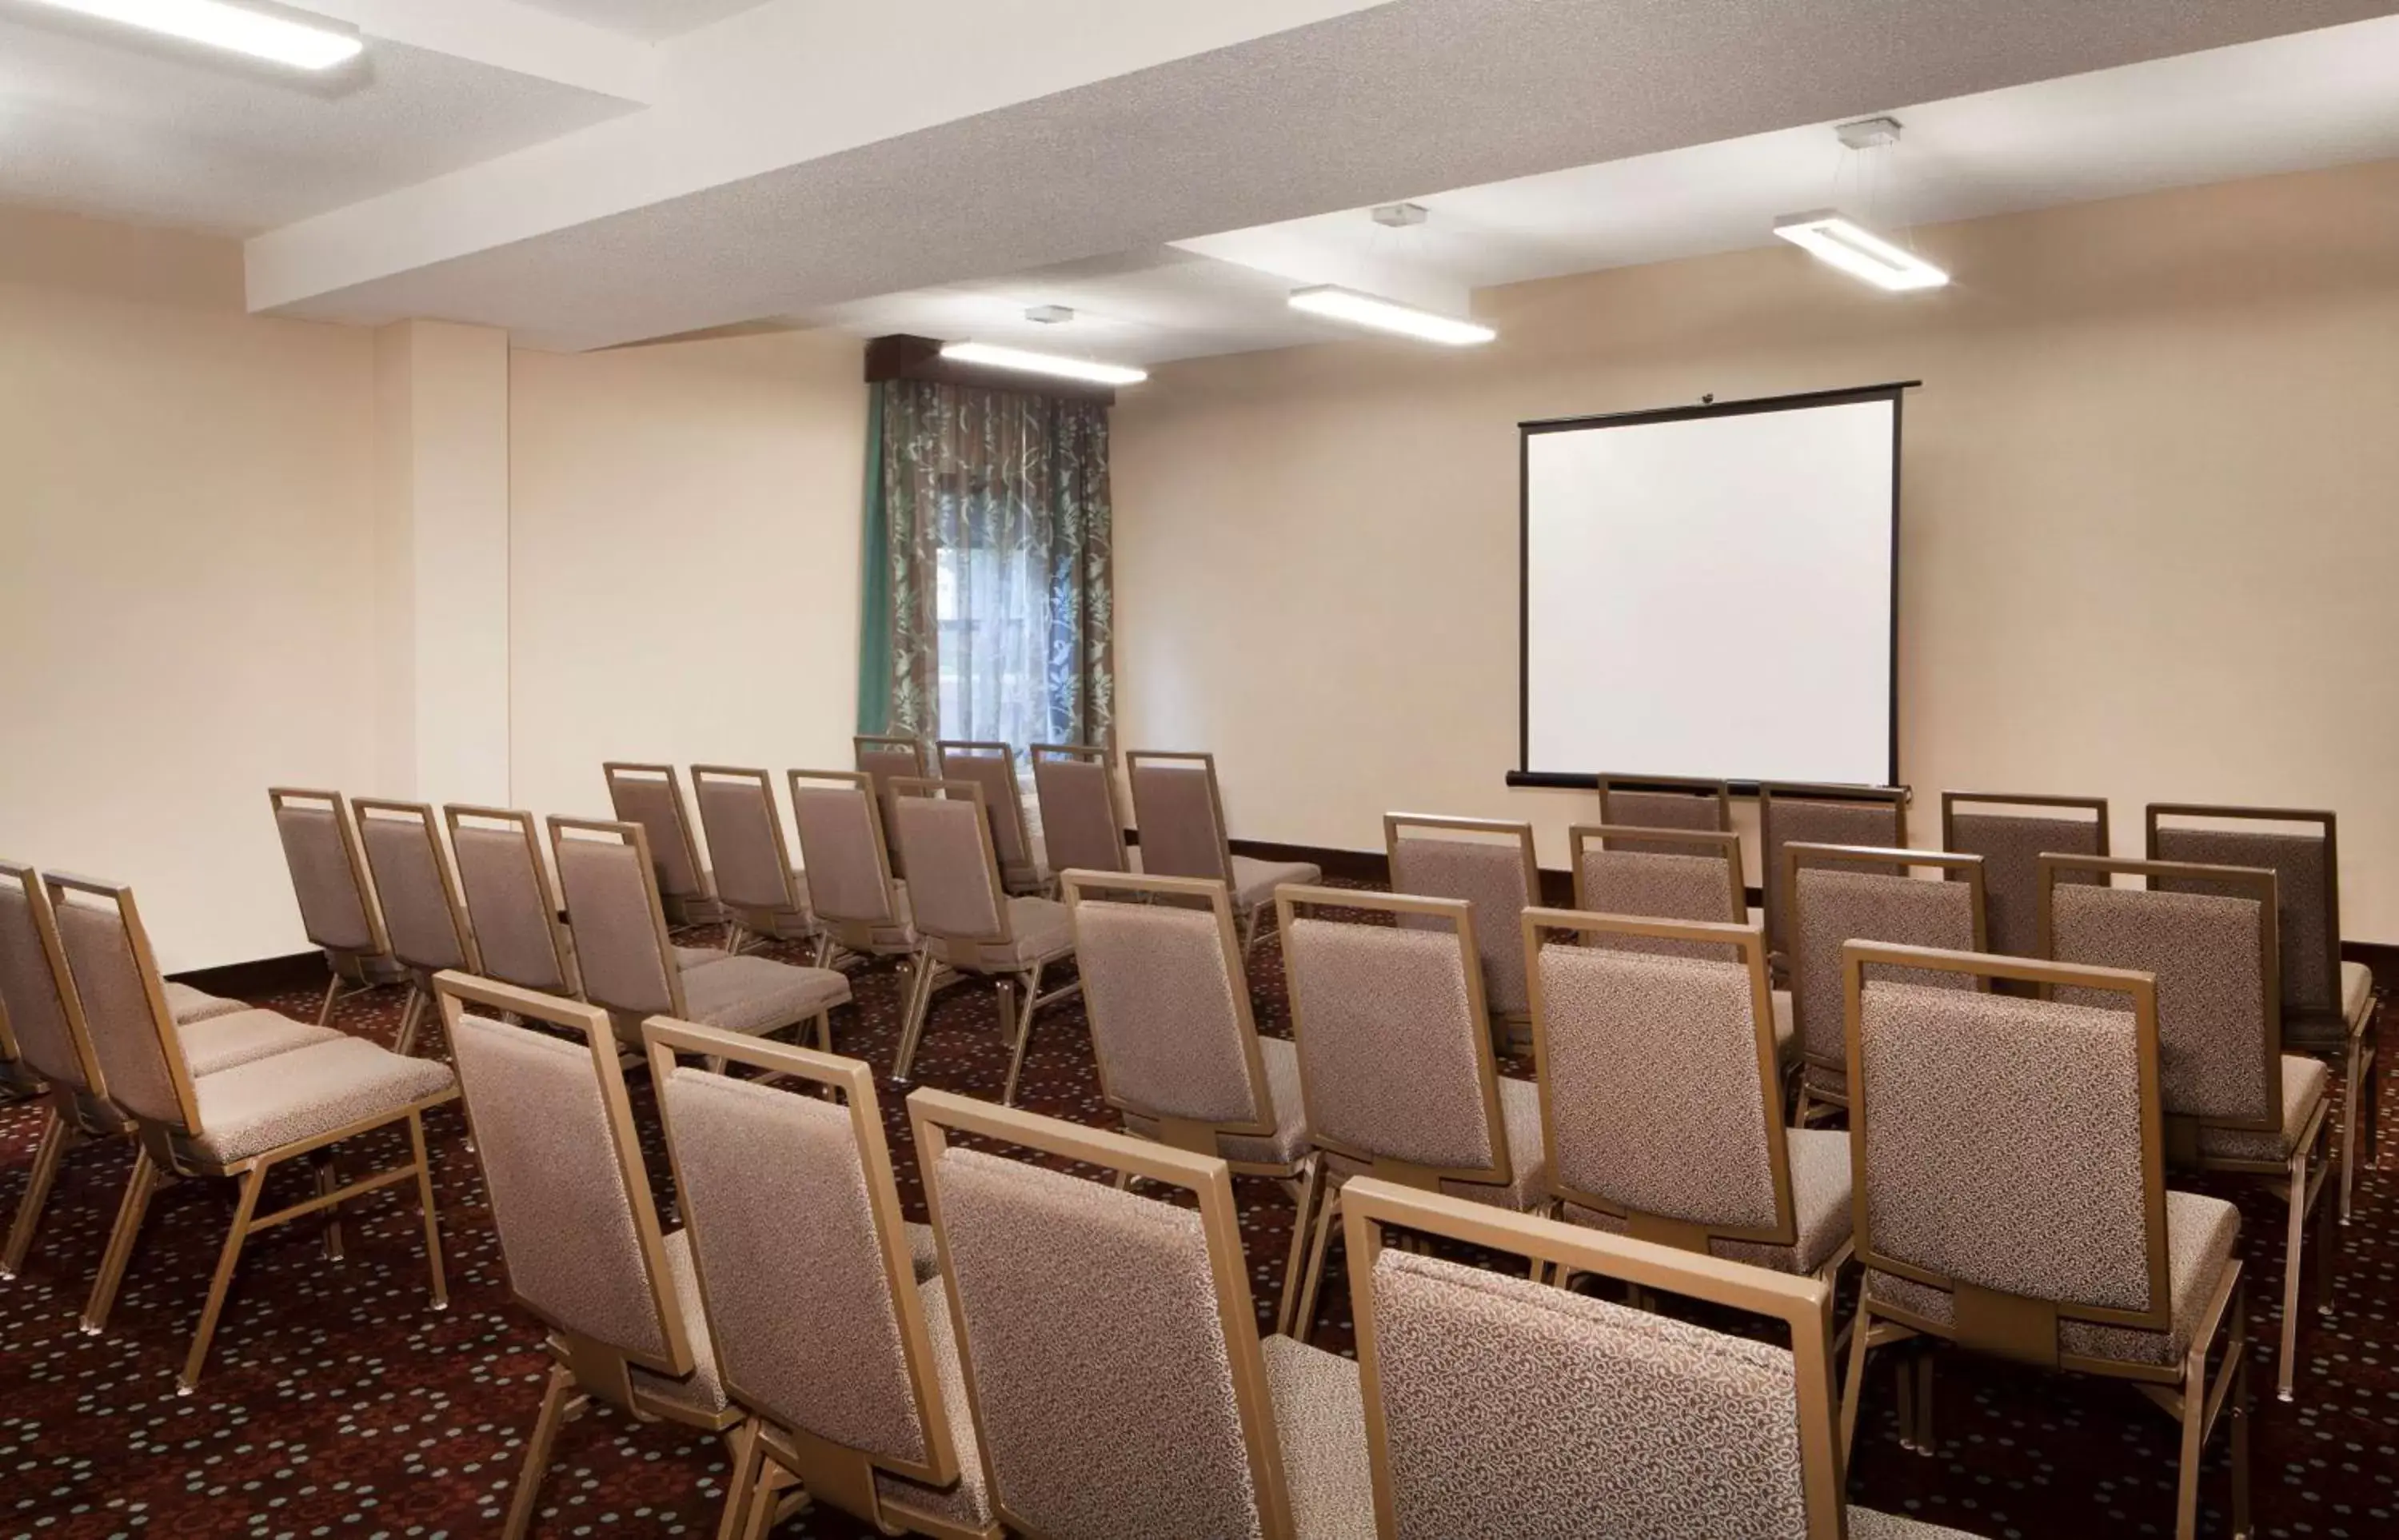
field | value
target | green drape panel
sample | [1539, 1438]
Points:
[992, 509]
[874, 585]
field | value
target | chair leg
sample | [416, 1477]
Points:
[139, 1189]
[2349, 1099]
[1924, 1444]
[328, 1178]
[2239, 1410]
[432, 1215]
[325, 1008]
[2327, 1247]
[58, 1137]
[824, 1031]
[411, 1015]
[244, 1207]
[1906, 1388]
[1024, 1035]
[1860, 1337]
[912, 1023]
[1252, 928]
[1304, 1323]
[537, 1463]
[742, 1482]
[824, 952]
[2295, 1242]
[1312, 1182]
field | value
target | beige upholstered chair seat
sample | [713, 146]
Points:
[1254, 880]
[217, 1042]
[1866, 1524]
[1528, 1161]
[967, 1501]
[2356, 991]
[703, 1391]
[2200, 1236]
[297, 1095]
[688, 958]
[752, 995]
[188, 1005]
[1819, 1204]
[2322, 1030]
[1288, 1141]
[1041, 931]
[1321, 1423]
[2304, 1083]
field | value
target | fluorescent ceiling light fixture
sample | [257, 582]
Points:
[1335, 303]
[1834, 237]
[1042, 363]
[281, 37]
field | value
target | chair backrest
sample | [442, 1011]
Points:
[1671, 874]
[512, 908]
[1661, 1101]
[651, 795]
[2012, 833]
[954, 892]
[993, 768]
[1789, 811]
[1489, 862]
[2007, 1149]
[1165, 1359]
[842, 843]
[2207, 935]
[329, 878]
[801, 1255]
[882, 761]
[553, 1131]
[41, 1019]
[1498, 1406]
[1081, 826]
[114, 977]
[1180, 815]
[1842, 894]
[751, 864]
[1662, 802]
[2301, 848]
[1392, 1037]
[1169, 1005]
[620, 925]
[422, 913]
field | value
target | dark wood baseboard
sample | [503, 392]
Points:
[264, 977]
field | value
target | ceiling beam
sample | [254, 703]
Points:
[503, 35]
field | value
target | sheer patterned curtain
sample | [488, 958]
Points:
[991, 512]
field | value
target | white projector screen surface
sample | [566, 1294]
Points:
[1711, 593]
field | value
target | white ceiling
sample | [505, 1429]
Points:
[648, 20]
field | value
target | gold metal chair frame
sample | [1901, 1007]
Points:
[629, 1024]
[1521, 831]
[2361, 1087]
[742, 923]
[1749, 945]
[582, 1366]
[166, 1154]
[855, 936]
[2298, 1179]
[1817, 1100]
[974, 749]
[1303, 1177]
[420, 979]
[1803, 1304]
[1716, 845]
[934, 972]
[769, 1458]
[698, 907]
[1952, 801]
[2025, 1330]
[1091, 752]
[1251, 917]
[935, 1116]
[1499, 1173]
[348, 963]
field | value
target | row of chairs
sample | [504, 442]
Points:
[1059, 1356]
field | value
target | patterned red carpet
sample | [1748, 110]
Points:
[338, 1403]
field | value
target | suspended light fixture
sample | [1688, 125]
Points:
[1029, 362]
[1334, 303]
[1832, 236]
[270, 33]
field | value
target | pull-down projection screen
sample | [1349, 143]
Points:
[1711, 591]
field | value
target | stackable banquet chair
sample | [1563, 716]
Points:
[337, 901]
[2232, 1099]
[1183, 834]
[861, 908]
[765, 896]
[2012, 1197]
[1110, 1349]
[829, 1325]
[1081, 827]
[651, 795]
[1791, 812]
[424, 917]
[1494, 1405]
[2012, 833]
[1663, 801]
[993, 768]
[1489, 862]
[882, 760]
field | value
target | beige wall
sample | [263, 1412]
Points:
[187, 512]
[2150, 532]
[685, 536]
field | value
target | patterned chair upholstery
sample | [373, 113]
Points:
[1840, 896]
[422, 913]
[826, 1314]
[1461, 858]
[1080, 826]
[1180, 812]
[1636, 802]
[1801, 814]
[1511, 1408]
[882, 761]
[2232, 1099]
[651, 795]
[337, 901]
[2012, 843]
[859, 906]
[1150, 1407]
[967, 923]
[993, 768]
[1663, 1104]
[2010, 1195]
[765, 896]
[579, 1234]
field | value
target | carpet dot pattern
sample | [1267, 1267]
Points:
[338, 1403]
